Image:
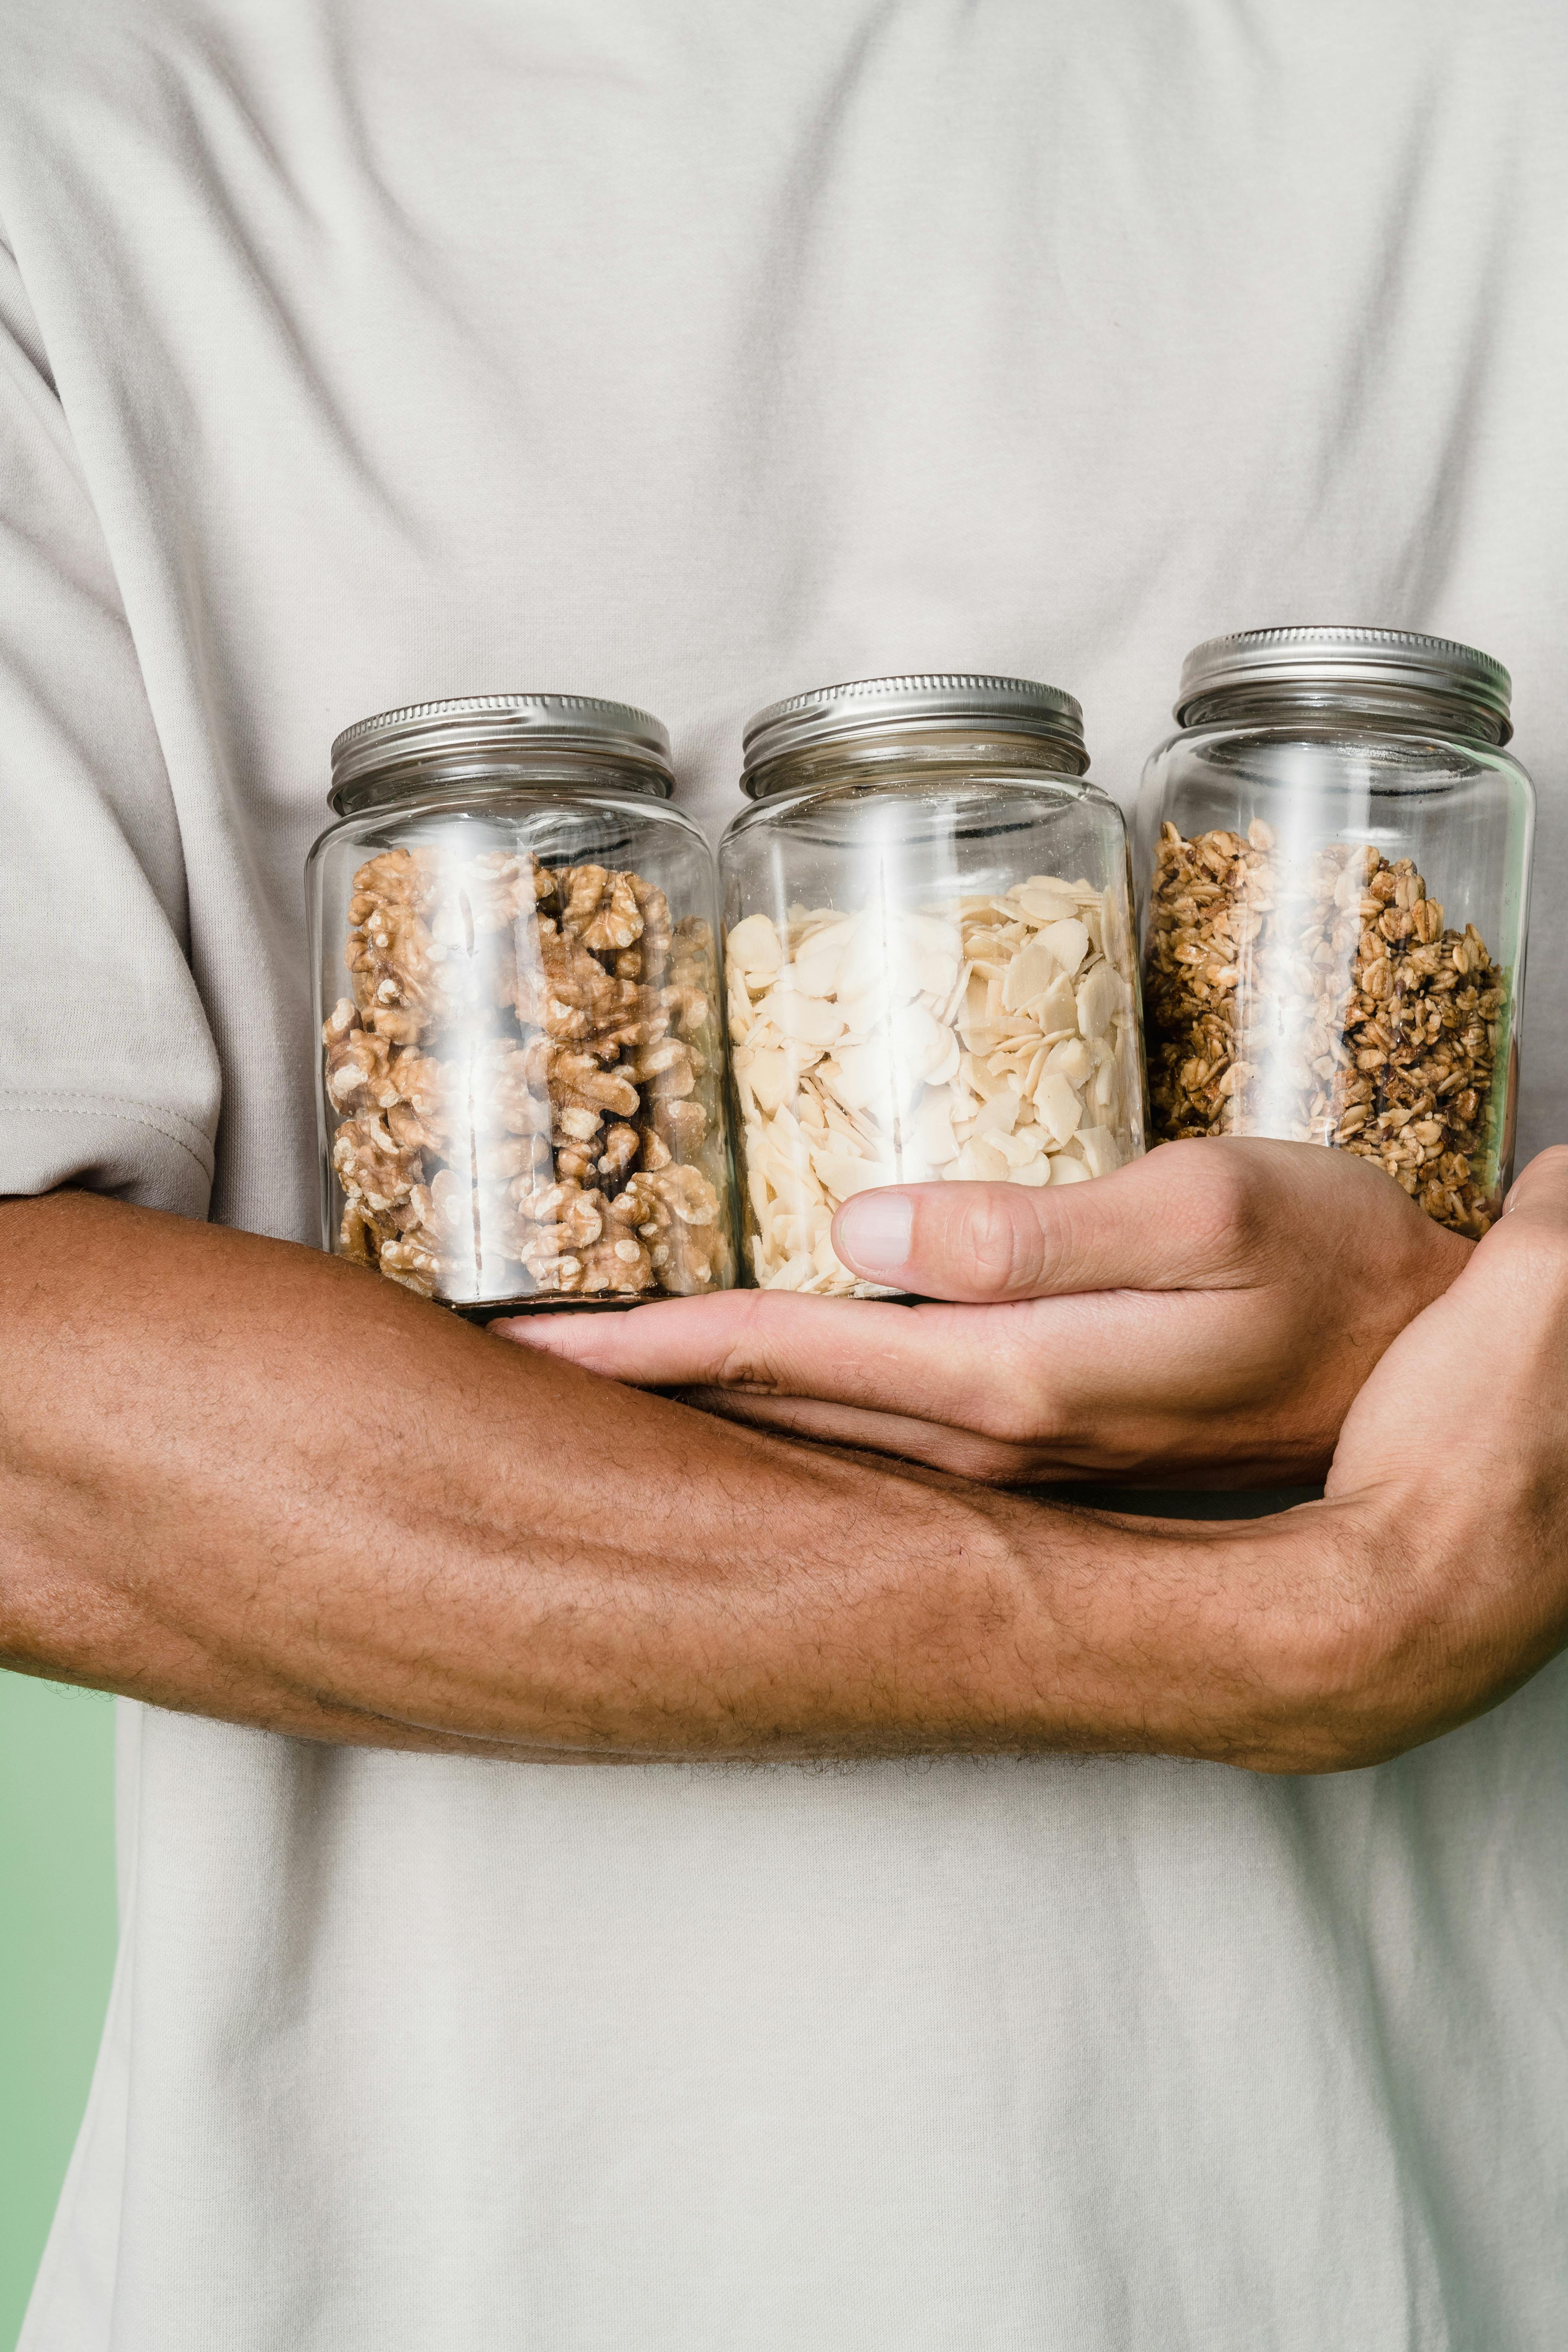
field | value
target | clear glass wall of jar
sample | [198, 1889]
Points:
[928, 945]
[1337, 851]
[522, 1087]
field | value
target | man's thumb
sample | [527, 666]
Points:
[978, 1243]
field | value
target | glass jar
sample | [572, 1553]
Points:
[928, 945]
[522, 1095]
[1337, 850]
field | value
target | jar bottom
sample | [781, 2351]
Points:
[490, 1310]
[480, 1311]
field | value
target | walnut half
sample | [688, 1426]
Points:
[524, 1082]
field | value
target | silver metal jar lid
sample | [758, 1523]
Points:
[1013, 706]
[1345, 656]
[481, 727]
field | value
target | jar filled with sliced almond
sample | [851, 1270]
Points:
[930, 957]
[515, 942]
[1337, 850]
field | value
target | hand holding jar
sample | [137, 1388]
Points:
[1205, 1316]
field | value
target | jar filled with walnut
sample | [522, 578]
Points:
[930, 957]
[521, 1080]
[1337, 852]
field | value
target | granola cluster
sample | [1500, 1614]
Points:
[525, 1080]
[1332, 1006]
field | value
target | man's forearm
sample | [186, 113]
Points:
[240, 1479]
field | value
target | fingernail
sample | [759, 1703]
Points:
[874, 1230]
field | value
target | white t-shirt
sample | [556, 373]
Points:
[362, 350]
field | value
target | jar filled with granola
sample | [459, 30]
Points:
[929, 959]
[515, 937]
[1337, 848]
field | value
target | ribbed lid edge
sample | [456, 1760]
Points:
[474, 724]
[1324, 653]
[922, 698]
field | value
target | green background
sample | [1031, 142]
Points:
[56, 1951]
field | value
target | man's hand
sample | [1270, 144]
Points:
[1205, 1316]
[1447, 1501]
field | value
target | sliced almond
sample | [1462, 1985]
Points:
[1059, 1108]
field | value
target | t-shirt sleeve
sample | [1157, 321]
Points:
[109, 1076]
